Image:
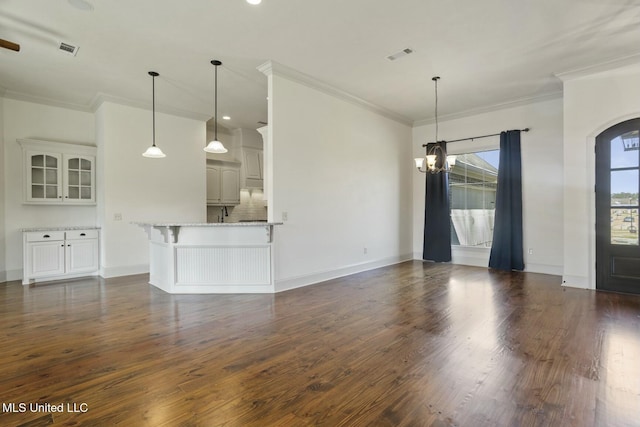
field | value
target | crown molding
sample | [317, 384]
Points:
[491, 108]
[101, 98]
[98, 100]
[19, 96]
[620, 62]
[270, 68]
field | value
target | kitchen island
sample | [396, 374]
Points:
[211, 258]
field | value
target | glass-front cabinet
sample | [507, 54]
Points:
[44, 177]
[58, 173]
[79, 179]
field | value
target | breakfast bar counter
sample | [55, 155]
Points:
[211, 258]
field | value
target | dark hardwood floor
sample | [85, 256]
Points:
[408, 345]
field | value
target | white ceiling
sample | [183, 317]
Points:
[488, 53]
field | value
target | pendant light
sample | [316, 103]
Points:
[154, 152]
[215, 146]
[436, 154]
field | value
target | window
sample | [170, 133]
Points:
[625, 173]
[472, 196]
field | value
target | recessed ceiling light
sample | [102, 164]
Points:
[254, 2]
[81, 5]
[226, 118]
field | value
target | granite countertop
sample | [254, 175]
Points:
[207, 224]
[33, 229]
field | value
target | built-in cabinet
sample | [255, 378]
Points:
[58, 173]
[223, 183]
[59, 254]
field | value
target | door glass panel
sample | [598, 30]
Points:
[52, 162]
[74, 178]
[37, 191]
[624, 188]
[624, 226]
[37, 176]
[74, 192]
[624, 150]
[85, 178]
[52, 176]
[52, 192]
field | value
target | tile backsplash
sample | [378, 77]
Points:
[251, 207]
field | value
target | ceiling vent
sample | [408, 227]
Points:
[67, 48]
[398, 55]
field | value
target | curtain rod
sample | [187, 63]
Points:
[477, 137]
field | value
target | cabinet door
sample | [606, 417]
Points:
[43, 177]
[230, 186]
[213, 185]
[81, 255]
[45, 259]
[253, 163]
[79, 184]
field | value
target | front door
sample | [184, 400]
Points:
[617, 209]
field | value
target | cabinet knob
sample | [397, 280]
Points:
[83, 234]
[46, 236]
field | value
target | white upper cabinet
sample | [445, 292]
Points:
[223, 183]
[58, 173]
[253, 167]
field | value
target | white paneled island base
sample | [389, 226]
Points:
[210, 258]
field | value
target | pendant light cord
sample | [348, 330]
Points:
[215, 103]
[153, 106]
[435, 79]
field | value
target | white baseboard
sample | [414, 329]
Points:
[127, 270]
[310, 279]
[580, 282]
[3, 276]
[555, 270]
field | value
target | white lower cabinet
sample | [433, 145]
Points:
[59, 254]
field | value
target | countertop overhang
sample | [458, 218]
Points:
[170, 230]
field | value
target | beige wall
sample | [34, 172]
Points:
[3, 268]
[142, 189]
[340, 174]
[592, 103]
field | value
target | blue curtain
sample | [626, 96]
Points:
[506, 249]
[437, 224]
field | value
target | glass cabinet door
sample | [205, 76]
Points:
[79, 179]
[44, 177]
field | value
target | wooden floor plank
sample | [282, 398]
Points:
[406, 345]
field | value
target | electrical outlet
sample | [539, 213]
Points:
[117, 217]
[530, 251]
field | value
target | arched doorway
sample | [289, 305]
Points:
[617, 209]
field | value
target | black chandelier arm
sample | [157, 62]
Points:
[475, 137]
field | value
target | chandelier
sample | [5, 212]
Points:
[435, 159]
